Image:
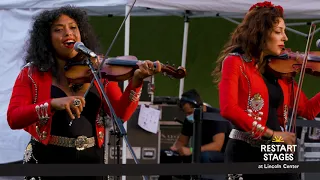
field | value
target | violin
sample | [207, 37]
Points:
[114, 69]
[289, 63]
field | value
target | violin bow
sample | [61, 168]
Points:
[109, 49]
[292, 128]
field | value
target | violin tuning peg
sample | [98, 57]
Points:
[167, 62]
[164, 74]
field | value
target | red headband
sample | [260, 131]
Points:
[265, 4]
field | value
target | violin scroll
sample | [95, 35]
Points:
[172, 72]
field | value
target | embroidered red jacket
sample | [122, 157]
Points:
[32, 93]
[244, 97]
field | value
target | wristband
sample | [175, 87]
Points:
[191, 149]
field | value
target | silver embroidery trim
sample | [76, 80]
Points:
[133, 96]
[249, 101]
[242, 56]
[42, 112]
[28, 155]
[35, 88]
[249, 86]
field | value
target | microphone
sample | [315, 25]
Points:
[318, 43]
[80, 47]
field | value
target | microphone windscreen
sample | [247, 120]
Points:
[318, 43]
[77, 45]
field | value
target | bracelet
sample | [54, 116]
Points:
[191, 149]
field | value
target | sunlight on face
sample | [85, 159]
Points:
[275, 41]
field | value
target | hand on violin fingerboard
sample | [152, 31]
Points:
[146, 69]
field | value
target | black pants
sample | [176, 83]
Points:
[240, 151]
[168, 156]
[50, 154]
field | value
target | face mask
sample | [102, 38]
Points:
[190, 118]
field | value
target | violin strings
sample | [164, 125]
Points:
[302, 73]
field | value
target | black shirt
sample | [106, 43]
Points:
[209, 129]
[275, 99]
[83, 126]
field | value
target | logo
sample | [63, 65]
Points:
[277, 139]
[278, 151]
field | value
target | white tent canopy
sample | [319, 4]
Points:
[16, 17]
[294, 9]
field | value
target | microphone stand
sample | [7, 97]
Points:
[199, 117]
[197, 128]
[120, 128]
[117, 134]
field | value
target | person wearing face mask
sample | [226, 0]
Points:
[214, 135]
[43, 103]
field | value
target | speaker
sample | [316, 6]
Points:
[171, 113]
[146, 145]
[169, 134]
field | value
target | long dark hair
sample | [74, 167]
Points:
[250, 36]
[40, 51]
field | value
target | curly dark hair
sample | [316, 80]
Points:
[40, 51]
[250, 36]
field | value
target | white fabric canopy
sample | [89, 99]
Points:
[16, 16]
[14, 25]
[293, 9]
[44, 4]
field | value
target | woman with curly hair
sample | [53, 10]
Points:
[43, 102]
[255, 100]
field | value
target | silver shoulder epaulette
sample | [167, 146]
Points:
[27, 65]
[242, 56]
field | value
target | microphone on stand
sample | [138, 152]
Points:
[80, 47]
[318, 43]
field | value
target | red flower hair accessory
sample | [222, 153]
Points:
[265, 4]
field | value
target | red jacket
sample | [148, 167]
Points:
[33, 89]
[244, 97]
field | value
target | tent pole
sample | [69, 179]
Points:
[315, 22]
[229, 19]
[125, 83]
[298, 24]
[297, 32]
[184, 50]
